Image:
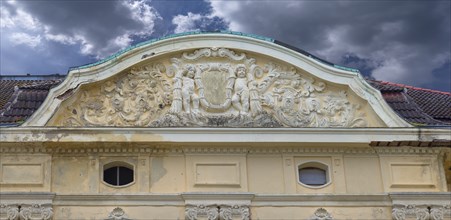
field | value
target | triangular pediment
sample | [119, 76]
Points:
[214, 87]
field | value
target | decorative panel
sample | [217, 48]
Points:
[22, 173]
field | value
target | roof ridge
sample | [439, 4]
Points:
[413, 87]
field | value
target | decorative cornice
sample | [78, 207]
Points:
[176, 149]
[225, 135]
[408, 150]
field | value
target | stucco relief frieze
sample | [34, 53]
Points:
[9, 211]
[214, 87]
[36, 212]
[421, 212]
[217, 212]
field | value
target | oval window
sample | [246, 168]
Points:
[312, 176]
[118, 175]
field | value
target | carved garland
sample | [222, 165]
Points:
[214, 87]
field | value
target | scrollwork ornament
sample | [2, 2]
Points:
[230, 212]
[209, 212]
[9, 211]
[35, 212]
[117, 214]
[399, 213]
[321, 214]
[437, 213]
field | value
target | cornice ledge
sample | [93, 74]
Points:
[315, 135]
[27, 197]
[125, 199]
[407, 150]
[217, 196]
[421, 198]
[314, 200]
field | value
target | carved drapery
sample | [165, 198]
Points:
[217, 212]
[214, 87]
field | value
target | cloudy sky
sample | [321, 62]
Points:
[399, 41]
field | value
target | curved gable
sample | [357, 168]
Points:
[214, 80]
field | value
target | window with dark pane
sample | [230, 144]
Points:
[312, 176]
[118, 175]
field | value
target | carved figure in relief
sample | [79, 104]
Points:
[240, 99]
[185, 90]
[188, 89]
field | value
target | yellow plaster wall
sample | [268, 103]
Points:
[363, 174]
[100, 212]
[357, 213]
[265, 174]
[256, 173]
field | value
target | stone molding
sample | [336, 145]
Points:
[225, 135]
[174, 149]
[32, 211]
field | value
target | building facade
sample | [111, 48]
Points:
[221, 126]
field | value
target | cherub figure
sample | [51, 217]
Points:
[240, 99]
[188, 88]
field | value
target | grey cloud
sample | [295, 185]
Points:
[97, 23]
[411, 36]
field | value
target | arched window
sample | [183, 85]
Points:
[118, 174]
[313, 174]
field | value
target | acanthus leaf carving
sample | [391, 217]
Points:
[214, 87]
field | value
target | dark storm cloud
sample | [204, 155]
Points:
[101, 27]
[402, 41]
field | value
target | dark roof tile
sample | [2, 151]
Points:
[416, 105]
[23, 99]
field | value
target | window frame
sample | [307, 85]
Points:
[112, 164]
[314, 164]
